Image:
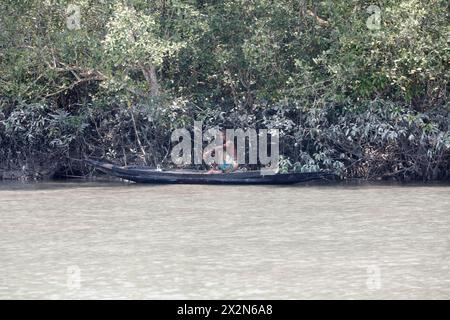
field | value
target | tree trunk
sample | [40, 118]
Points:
[150, 76]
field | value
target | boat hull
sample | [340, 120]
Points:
[148, 175]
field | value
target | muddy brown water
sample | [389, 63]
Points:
[117, 240]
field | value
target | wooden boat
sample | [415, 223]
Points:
[149, 175]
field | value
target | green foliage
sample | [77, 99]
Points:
[405, 60]
[337, 77]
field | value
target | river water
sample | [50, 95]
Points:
[117, 240]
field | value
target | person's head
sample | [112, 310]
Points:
[221, 136]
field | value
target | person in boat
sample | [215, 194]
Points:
[229, 163]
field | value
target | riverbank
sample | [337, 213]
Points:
[360, 100]
[378, 142]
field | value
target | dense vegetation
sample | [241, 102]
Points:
[355, 87]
